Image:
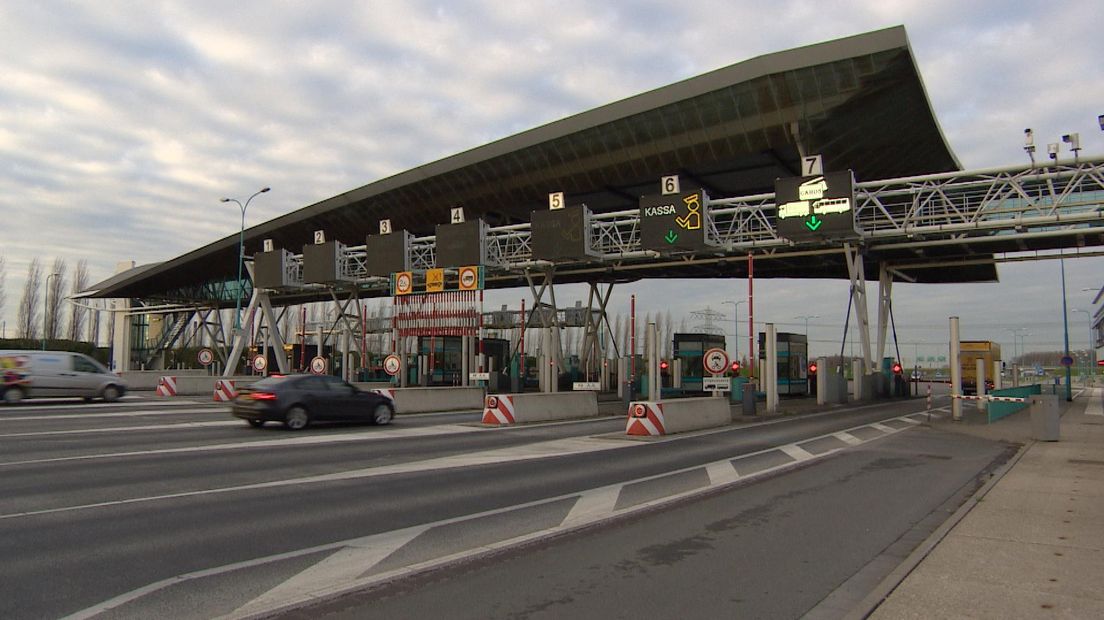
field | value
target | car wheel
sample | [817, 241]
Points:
[296, 418]
[382, 414]
[13, 395]
[256, 423]
[110, 394]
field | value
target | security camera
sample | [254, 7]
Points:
[1074, 140]
[1029, 140]
[1052, 150]
[1100, 119]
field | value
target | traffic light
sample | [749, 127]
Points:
[663, 365]
[736, 367]
[1100, 362]
[897, 368]
[812, 368]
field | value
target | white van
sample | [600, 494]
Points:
[45, 374]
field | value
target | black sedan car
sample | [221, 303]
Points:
[299, 400]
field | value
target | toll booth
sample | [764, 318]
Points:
[690, 349]
[793, 362]
[445, 363]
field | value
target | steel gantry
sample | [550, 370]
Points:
[999, 210]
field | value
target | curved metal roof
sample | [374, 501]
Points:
[858, 101]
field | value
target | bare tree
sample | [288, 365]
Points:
[76, 317]
[94, 325]
[28, 305]
[54, 287]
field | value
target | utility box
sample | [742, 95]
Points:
[1044, 417]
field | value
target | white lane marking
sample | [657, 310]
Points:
[120, 429]
[336, 572]
[909, 420]
[126, 401]
[722, 472]
[883, 427]
[599, 505]
[796, 452]
[115, 414]
[1094, 406]
[558, 447]
[848, 438]
[591, 504]
[313, 440]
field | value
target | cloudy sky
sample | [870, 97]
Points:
[123, 123]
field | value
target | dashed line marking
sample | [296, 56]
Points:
[796, 452]
[722, 472]
[882, 427]
[848, 438]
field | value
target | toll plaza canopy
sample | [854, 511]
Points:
[858, 101]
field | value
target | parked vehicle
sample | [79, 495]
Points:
[44, 374]
[970, 351]
[300, 400]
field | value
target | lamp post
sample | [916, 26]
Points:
[46, 309]
[1065, 330]
[241, 250]
[1088, 352]
[735, 326]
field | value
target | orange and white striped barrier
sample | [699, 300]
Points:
[646, 418]
[499, 410]
[225, 390]
[166, 386]
[992, 399]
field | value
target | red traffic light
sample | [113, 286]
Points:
[663, 365]
[1100, 362]
[812, 368]
[735, 366]
[897, 368]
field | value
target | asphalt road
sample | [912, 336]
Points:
[144, 509]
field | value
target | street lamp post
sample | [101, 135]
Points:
[46, 309]
[1088, 352]
[1065, 330]
[735, 326]
[241, 250]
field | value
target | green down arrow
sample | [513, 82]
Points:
[671, 237]
[813, 223]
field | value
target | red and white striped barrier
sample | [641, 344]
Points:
[166, 386]
[385, 392]
[499, 410]
[225, 390]
[646, 418]
[997, 399]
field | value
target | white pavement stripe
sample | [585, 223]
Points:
[591, 505]
[127, 401]
[335, 573]
[1095, 405]
[882, 427]
[120, 429]
[909, 419]
[722, 472]
[116, 414]
[312, 440]
[796, 452]
[848, 438]
[559, 447]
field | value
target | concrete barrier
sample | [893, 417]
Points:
[502, 409]
[148, 379]
[205, 386]
[428, 399]
[666, 417]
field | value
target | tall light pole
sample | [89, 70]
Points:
[1088, 352]
[735, 326]
[241, 250]
[1065, 330]
[46, 308]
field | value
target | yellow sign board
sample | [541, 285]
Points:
[435, 280]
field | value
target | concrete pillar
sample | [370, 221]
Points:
[982, 405]
[770, 372]
[822, 380]
[654, 379]
[676, 369]
[857, 379]
[404, 373]
[998, 380]
[622, 376]
[465, 360]
[956, 373]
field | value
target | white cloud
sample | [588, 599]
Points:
[122, 123]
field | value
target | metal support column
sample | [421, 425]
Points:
[858, 291]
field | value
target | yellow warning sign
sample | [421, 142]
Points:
[435, 280]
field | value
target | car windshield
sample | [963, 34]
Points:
[271, 382]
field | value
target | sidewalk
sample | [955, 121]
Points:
[1033, 545]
